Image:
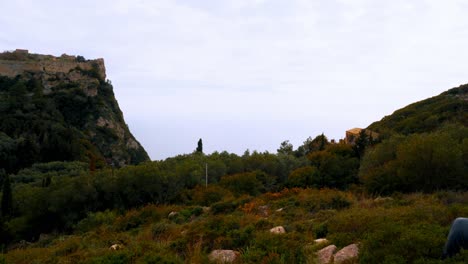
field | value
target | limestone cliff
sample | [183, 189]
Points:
[64, 99]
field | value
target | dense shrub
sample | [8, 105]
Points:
[117, 258]
[271, 248]
[243, 183]
[206, 196]
[95, 220]
[419, 162]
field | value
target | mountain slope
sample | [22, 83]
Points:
[60, 108]
[427, 115]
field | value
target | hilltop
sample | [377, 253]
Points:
[61, 109]
[450, 107]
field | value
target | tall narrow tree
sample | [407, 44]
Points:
[200, 146]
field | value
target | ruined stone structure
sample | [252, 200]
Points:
[20, 61]
[353, 134]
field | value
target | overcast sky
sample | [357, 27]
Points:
[249, 74]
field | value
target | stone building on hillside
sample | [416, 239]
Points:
[353, 134]
[22, 51]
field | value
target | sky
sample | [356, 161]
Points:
[250, 74]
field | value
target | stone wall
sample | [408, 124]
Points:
[50, 65]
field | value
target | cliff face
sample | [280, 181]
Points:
[67, 100]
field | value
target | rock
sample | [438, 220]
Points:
[172, 214]
[278, 230]
[116, 247]
[280, 210]
[325, 255]
[224, 256]
[321, 240]
[347, 253]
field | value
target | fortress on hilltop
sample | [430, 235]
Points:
[21, 61]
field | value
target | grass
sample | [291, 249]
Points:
[403, 229]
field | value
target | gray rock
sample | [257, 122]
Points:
[278, 230]
[347, 253]
[224, 256]
[325, 255]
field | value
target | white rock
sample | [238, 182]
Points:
[278, 230]
[321, 240]
[172, 214]
[224, 256]
[116, 247]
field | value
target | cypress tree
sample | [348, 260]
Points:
[200, 146]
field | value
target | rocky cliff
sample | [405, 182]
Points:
[51, 105]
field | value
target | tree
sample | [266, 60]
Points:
[200, 146]
[307, 176]
[310, 145]
[361, 144]
[285, 148]
[337, 166]
[7, 199]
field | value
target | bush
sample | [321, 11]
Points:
[321, 230]
[271, 248]
[242, 183]
[117, 258]
[158, 229]
[223, 207]
[414, 242]
[95, 220]
[155, 258]
[206, 196]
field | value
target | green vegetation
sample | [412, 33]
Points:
[61, 203]
[60, 125]
[403, 229]
[450, 107]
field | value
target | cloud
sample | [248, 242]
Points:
[351, 61]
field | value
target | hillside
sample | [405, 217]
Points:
[450, 107]
[393, 198]
[60, 109]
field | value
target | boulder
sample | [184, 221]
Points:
[321, 240]
[278, 230]
[347, 253]
[116, 247]
[172, 214]
[224, 256]
[325, 255]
